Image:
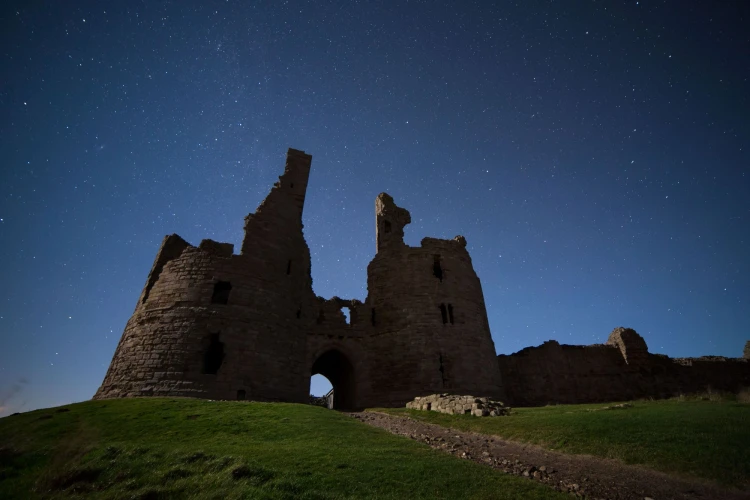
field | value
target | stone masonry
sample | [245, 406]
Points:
[459, 405]
[214, 324]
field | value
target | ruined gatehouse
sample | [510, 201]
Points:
[214, 324]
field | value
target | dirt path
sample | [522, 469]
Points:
[581, 475]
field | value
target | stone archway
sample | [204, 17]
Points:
[339, 370]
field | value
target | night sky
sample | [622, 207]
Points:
[594, 155]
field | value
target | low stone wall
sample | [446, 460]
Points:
[459, 405]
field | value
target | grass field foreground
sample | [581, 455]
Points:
[704, 439]
[184, 448]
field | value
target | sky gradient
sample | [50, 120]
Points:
[593, 154]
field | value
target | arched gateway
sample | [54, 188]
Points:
[214, 324]
[339, 370]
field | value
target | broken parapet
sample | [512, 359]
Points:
[459, 405]
[390, 220]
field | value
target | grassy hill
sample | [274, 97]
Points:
[167, 448]
[705, 439]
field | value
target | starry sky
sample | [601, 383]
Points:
[594, 154]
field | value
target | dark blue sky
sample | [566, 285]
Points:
[594, 154]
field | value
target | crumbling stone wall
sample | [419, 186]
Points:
[622, 369]
[213, 324]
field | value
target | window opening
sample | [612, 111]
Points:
[214, 355]
[299, 313]
[291, 185]
[347, 314]
[437, 270]
[241, 395]
[450, 313]
[372, 316]
[221, 292]
[386, 226]
[444, 313]
[289, 267]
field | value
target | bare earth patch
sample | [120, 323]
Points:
[581, 475]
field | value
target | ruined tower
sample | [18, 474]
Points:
[217, 325]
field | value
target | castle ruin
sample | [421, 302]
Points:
[213, 324]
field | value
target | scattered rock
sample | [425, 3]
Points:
[459, 405]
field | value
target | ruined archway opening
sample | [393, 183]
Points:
[321, 391]
[339, 370]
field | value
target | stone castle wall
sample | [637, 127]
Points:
[217, 325]
[622, 369]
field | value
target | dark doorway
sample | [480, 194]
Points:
[337, 368]
[213, 356]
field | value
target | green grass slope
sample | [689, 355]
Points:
[704, 439]
[183, 448]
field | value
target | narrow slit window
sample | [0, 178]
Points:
[289, 267]
[437, 269]
[450, 313]
[221, 292]
[386, 226]
[444, 313]
[214, 355]
[372, 316]
[442, 369]
[299, 313]
[241, 395]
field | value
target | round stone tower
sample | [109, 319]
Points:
[217, 325]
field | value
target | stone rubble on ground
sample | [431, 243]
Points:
[459, 405]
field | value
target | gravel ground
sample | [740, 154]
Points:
[582, 476]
